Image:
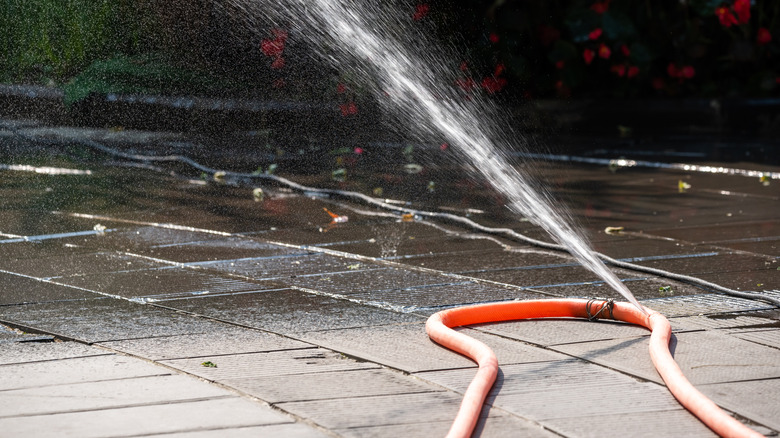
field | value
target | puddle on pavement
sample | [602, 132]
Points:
[224, 228]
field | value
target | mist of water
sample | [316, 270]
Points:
[379, 43]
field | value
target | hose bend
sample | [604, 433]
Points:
[439, 328]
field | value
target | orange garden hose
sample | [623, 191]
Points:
[439, 328]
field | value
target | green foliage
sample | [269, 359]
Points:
[48, 40]
[141, 74]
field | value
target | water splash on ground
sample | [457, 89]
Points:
[379, 42]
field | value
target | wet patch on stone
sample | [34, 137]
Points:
[18, 289]
[290, 311]
[105, 319]
[224, 340]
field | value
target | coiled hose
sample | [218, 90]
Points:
[439, 327]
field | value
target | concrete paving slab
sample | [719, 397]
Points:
[433, 298]
[94, 395]
[22, 352]
[407, 347]
[643, 286]
[261, 365]
[541, 376]
[414, 246]
[75, 370]
[16, 218]
[578, 401]
[368, 278]
[290, 311]
[637, 246]
[387, 233]
[564, 331]
[540, 277]
[266, 268]
[287, 430]
[746, 280]
[380, 410]
[767, 227]
[733, 359]
[80, 264]
[330, 385]
[129, 237]
[699, 304]
[18, 289]
[105, 319]
[223, 413]
[770, 338]
[677, 422]
[37, 250]
[769, 246]
[491, 427]
[721, 262]
[13, 336]
[465, 262]
[225, 340]
[163, 283]
[743, 320]
[756, 400]
[227, 248]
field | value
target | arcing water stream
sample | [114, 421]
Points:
[418, 95]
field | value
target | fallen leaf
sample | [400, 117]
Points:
[413, 168]
[258, 194]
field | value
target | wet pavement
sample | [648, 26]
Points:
[142, 299]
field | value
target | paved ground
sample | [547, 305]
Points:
[143, 304]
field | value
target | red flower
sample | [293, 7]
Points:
[686, 72]
[604, 51]
[499, 69]
[626, 51]
[492, 84]
[278, 63]
[348, 108]
[600, 7]
[618, 69]
[358, 150]
[493, 37]
[727, 19]
[595, 34]
[341, 88]
[673, 71]
[632, 71]
[764, 37]
[560, 64]
[588, 55]
[444, 146]
[420, 11]
[272, 48]
[464, 66]
[742, 8]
